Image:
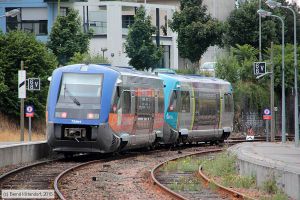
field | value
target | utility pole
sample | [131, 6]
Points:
[272, 96]
[260, 56]
[22, 109]
[58, 8]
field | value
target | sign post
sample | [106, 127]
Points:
[33, 84]
[29, 113]
[22, 96]
[267, 116]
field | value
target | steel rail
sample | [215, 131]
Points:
[166, 189]
[62, 174]
[18, 170]
[234, 194]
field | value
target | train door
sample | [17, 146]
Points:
[144, 114]
[207, 111]
[185, 111]
[227, 110]
[159, 109]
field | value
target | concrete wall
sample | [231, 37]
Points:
[285, 172]
[24, 152]
[287, 181]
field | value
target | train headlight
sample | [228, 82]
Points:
[92, 116]
[61, 114]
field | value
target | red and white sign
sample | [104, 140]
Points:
[29, 111]
[267, 117]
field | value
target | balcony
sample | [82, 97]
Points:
[36, 27]
[98, 27]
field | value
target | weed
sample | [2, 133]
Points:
[222, 165]
[239, 181]
[212, 186]
[270, 186]
[186, 184]
[10, 130]
[170, 166]
[278, 196]
[188, 164]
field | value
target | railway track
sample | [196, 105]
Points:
[64, 173]
[163, 179]
[261, 138]
[42, 175]
[47, 174]
[234, 194]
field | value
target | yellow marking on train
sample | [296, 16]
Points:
[193, 109]
[221, 110]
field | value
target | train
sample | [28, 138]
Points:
[95, 108]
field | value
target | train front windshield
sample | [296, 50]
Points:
[79, 96]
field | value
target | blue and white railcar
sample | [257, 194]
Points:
[94, 108]
[197, 109]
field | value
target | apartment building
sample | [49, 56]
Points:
[219, 9]
[109, 21]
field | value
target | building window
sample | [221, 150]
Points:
[27, 21]
[63, 11]
[38, 27]
[97, 21]
[127, 20]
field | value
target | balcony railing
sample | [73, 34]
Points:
[36, 27]
[98, 27]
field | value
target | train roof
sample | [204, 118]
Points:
[193, 78]
[130, 71]
[83, 68]
[126, 70]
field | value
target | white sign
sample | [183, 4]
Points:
[260, 68]
[34, 84]
[249, 137]
[267, 112]
[22, 84]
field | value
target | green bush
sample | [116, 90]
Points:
[39, 63]
[223, 165]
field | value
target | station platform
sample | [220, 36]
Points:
[19, 152]
[268, 161]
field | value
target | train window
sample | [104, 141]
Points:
[160, 101]
[206, 107]
[173, 102]
[79, 96]
[228, 103]
[185, 101]
[80, 88]
[126, 104]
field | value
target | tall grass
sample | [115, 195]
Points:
[10, 130]
[224, 166]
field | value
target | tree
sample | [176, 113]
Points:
[242, 26]
[237, 68]
[139, 46]
[87, 58]
[39, 62]
[289, 67]
[67, 37]
[196, 29]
